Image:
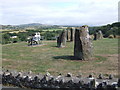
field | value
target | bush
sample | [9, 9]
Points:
[15, 40]
[111, 36]
[5, 38]
[49, 35]
[23, 36]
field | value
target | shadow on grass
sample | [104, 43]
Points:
[55, 46]
[68, 57]
[65, 57]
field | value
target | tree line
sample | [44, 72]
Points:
[23, 36]
[107, 30]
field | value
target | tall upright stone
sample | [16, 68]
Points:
[82, 44]
[70, 34]
[98, 35]
[61, 40]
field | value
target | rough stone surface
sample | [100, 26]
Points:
[98, 35]
[69, 75]
[32, 81]
[61, 40]
[100, 76]
[70, 34]
[82, 44]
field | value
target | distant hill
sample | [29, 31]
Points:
[106, 29]
[29, 26]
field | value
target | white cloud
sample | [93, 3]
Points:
[70, 12]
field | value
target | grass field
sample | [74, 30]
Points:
[58, 60]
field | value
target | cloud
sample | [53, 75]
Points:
[69, 12]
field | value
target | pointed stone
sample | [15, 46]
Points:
[82, 44]
[119, 82]
[100, 76]
[30, 72]
[79, 76]
[47, 74]
[98, 35]
[61, 40]
[69, 75]
[110, 76]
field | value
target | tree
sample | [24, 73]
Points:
[5, 38]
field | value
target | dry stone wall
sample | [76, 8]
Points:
[32, 81]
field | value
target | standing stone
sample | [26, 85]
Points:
[98, 35]
[70, 34]
[82, 44]
[61, 40]
[95, 36]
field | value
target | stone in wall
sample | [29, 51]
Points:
[82, 44]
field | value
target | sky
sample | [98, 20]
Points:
[59, 12]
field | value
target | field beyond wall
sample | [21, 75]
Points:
[48, 57]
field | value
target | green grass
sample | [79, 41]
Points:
[106, 46]
[56, 60]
